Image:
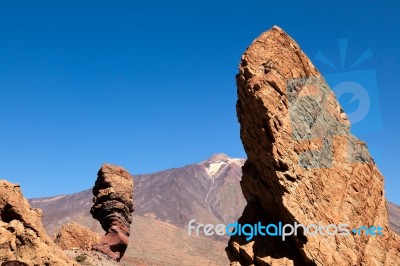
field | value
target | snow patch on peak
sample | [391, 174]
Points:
[218, 161]
[212, 168]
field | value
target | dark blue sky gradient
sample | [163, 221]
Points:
[150, 85]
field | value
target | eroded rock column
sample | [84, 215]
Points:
[303, 166]
[113, 207]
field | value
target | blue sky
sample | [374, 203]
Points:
[150, 85]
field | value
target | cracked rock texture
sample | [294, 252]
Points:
[76, 236]
[303, 164]
[23, 240]
[113, 207]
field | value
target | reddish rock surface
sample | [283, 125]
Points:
[303, 164]
[113, 207]
[23, 240]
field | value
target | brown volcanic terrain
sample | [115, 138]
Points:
[208, 192]
[166, 238]
[164, 204]
[199, 191]
[394, 217]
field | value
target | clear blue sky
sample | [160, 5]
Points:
[150, 85]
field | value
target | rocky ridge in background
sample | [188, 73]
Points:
[113, 207]
[394, 217]
[303, 164]
[22, 236]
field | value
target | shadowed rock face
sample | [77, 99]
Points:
[113, 207]
[22, 237]
[303, 164]
[13, 263]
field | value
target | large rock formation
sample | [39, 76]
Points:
[303, 165]
[113, 207]
[23, 240]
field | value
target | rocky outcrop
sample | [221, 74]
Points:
[23, 240]
[303, 165]
[75, 236]
[113, 207]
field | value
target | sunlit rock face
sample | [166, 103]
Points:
[113, 207]
[303, 166]
[23, 240]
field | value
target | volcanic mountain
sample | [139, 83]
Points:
[165, 202]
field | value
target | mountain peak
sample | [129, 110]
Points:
[218, 157]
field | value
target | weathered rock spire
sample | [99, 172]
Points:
[303, 164]
[113, 207]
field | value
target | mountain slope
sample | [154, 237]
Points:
[164, 204]
[197, 191]
[203, 191]
[394, 217]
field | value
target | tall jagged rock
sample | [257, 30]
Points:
[23, 240]
[303, 165]
[113, 207]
